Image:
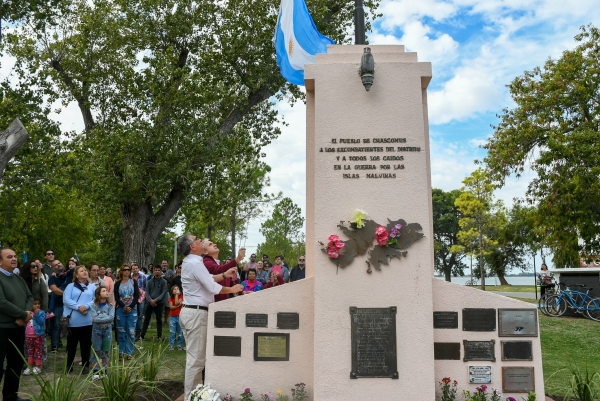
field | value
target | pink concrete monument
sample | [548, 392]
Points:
[370, 321]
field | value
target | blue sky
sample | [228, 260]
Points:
[476, 47]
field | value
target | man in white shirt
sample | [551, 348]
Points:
[199, 287]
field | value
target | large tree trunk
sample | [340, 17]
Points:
[481, 268]
[233, 231]
[11, 141]
[142, 227]
[502, 278]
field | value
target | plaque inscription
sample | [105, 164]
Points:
[517, 323]
[288, 321]
[271, 346]
[445, 320]
[479, 350]
[225, 320]
[373, 336]
[446, 351]
[227, 346]
[517, 379]
[257, 320]
[517, 350]
[480, 374]
[479, 319]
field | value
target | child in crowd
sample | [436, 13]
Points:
[35, 333]
[175, 303]
[103, 314]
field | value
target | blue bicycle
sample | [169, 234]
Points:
[581, 302]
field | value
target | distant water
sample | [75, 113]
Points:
[494, 280]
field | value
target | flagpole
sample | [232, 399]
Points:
[359, 23]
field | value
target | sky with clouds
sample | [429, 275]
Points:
[476, 47]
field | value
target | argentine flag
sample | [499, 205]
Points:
[297, 40]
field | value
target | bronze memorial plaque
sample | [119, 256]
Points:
[517, 350]
[227, 346]
[448, 351]
[517, 323]
[479, 350]
[517, 379]
[373, 337]
[225, 320]
[479, 319]
[445, 320]
[288, 321]
[271, 346]
[257, 320]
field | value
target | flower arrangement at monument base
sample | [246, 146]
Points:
[204, 392]
[448, 390]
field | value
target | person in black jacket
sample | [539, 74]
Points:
[127, 294]
[157, 295]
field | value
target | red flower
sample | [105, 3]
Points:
[381, 235]
[333, 252]
[333, 239]
[339, 244]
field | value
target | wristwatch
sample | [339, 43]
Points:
[223, 276]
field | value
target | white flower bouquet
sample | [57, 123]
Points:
[203, 392]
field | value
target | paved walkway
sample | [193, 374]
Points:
[528, 295]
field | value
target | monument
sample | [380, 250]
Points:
[370, 321]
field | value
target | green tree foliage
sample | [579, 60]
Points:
[554, 130]
[161, 86]
[480, 218]
[445, 229]
[283, 232]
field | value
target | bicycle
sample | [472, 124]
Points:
[582, 302]
[551, 289]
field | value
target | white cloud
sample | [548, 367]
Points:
[399, 12]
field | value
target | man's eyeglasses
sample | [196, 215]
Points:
[49, 253]
[302, 260]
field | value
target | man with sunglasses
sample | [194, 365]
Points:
[298, 272]
[47, 267]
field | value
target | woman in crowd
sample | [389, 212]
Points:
[78, 299]
[276, 280]
[261, 275]
[252, 284]
[95, 275]
[32, 275]
[110, 284]
[126, 296]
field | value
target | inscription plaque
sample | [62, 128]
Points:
[479, 350]
[517, 379]
[479, 319]
[271, 346]
[373, 336]
[517, 323]
[445, 320]
[227, 346]
[448, 351]
[225, 320]
[288, 321]
[257, 320]
[517, 350]
[480, 374]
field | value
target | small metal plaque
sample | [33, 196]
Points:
[479, 350]
[271, 346]
[445, 320]
[518, 379]
[479, 319]
[517, 323]
[225, 320]
[480, 374]
[228, 346]
[447, 351]
[257, 320]
[288, 321]
[373, 337]
[517, 350]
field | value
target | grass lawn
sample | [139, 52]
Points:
[510, 288]
[172, 369]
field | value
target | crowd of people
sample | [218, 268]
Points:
[86, 304]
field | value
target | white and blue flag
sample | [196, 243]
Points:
[297, 40]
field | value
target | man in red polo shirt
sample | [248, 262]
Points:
[211, 255]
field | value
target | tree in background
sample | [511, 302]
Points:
[283, 232]
[160, 86]
[445, 229]
[553, 130]
[480, 215]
